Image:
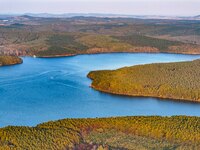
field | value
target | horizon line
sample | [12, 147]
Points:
[93, 13]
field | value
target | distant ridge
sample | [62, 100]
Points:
[70, 15]
[197, 16]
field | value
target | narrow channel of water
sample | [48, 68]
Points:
[43, 89]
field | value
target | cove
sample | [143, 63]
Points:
[44, 89]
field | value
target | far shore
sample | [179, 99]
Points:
[150, 96]
[68, 55]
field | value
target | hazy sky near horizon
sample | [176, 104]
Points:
[132, 7]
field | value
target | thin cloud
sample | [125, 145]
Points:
[134, 7]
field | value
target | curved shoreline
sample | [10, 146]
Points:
[56, 56]
[68, 55]
[145, 96]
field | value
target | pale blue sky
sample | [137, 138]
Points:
[133, 7]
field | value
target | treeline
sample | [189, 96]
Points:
[177, 132]
[165, 80]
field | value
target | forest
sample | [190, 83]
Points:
[178, 81]
[139, 133]
[10, 60]
[29, 36]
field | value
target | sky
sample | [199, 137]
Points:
[131, 7]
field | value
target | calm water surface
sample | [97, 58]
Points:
[40, 90]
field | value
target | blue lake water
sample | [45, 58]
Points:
[43, 89]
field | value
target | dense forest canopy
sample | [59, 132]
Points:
[177, 132]
[165, 80]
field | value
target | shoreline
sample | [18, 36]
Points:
[7, 65]
[55, 56]
[96, 118]
[145, 96]
[128, 52]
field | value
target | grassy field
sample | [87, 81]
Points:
[137, 133]
[165, 80]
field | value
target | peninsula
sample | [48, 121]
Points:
[178, 81]
[10, 60]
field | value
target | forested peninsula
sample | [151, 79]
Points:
[139, 133]
[10, 60]
[178, 81]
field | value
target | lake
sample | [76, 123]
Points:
[44, 89]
